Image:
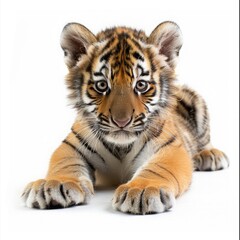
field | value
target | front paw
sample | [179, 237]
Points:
[138, 200]
[51, 194]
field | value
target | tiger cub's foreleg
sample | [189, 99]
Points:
[69, 180]
[156, 185]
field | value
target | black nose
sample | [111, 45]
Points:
[121, 122]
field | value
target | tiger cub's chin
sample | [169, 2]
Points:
[121, 138]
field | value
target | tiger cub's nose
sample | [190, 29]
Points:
[122, 122]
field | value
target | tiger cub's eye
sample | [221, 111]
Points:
[101, 86]
[141, 86]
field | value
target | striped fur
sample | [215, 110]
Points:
[135, 126]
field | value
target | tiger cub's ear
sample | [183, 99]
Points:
[75, 39]
[167, 37]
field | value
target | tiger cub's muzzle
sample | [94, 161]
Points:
[123, 112]
[122, 107]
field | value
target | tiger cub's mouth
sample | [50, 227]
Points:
[119, 132]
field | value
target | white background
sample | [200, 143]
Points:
[35, 116]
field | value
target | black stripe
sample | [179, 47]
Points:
[106, 145]
[200, 165]
[108, 45]
[62, 192]
[81, 154]
[136, 43]
[202, 145]
[83, 142]
[72, 165]
[35, 205]
[129, 148]
[155, 173]
[104, 124]
[127, 65]
[191, 111]
[118, 152]
[102, 116]
[103, 67]
[140, 117]
[127, 49]
[86, 145]
[106, 56]
[117, 48]
[147, 108]
[124, 197]
[93, 110]
[141, 202]
[150, 95]
[170, 174]
[163, 197]
[116, 64]
[138, 154]
[158, 133]
[129, 74]
[98, 74]
[171, 140]
[112, 75]
[139, 124]
[43, 194]
[153, 67]
[138, 56]
[89, 68]
[145, 74]
[123, 36]
[203, 135]
[155, 132]
[139, 121]
[89, 95]
[142, 71]
[26, 194]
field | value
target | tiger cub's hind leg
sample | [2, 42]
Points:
[192, 110]
[208, 158]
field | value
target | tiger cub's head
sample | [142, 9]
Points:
[120, 79]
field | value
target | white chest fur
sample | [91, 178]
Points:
[117, 169]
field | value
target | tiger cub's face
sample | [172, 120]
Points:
[120, 79]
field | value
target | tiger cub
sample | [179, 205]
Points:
[135, 127]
